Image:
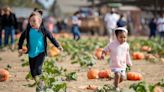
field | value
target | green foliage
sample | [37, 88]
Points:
[71, 76]
[161, 83]
[144, 87]
[139, 87]
[105, 88]
[82, 51]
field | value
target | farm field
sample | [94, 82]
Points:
[150, 68]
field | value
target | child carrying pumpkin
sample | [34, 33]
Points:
[119, 56]
[35, 35]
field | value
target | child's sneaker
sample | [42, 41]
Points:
[41, 84]
[118, 89]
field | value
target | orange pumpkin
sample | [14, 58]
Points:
[146, 48]
[149, 56]
[104, 74]
[98, 53]
[92, 73]
[138, 55]
[4, 75]
[134, 76]
[24, 49]
[53, 51]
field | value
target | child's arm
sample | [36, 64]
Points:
[53, 40]
[20, 43]
[105, 51]
[128, 59]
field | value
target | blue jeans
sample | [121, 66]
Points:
[9, 32]
[161, 34]
[0, 37]
[76, 32]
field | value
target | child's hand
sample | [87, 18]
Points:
[20, 51]
[102, 55]
[60, 48]
[128, 68]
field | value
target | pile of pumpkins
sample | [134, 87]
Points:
[95, 74]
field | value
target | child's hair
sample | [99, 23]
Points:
[40, 11]
[120, 30]
[35, 14]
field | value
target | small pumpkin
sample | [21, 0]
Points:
[104, 74]
[146, 48]
[138, 55]
[149, 56]
[4, 75]
[53, 51]
[134, 76]
[92, 73]
[24, 49]
[98, 53]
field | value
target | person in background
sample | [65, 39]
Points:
[152, 27]
[76, 26]
[121, 22]
[160, 25]
[111, 19]
[10, 24]
[1, 16]
[119, 55]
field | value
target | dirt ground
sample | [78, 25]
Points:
[152, 73]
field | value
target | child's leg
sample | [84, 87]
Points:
[123, 76]
[117, 79]
[39, 63]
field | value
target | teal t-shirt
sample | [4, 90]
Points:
[36, 43]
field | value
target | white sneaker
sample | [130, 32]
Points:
[118, 89]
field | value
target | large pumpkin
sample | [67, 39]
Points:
[98, 53]
[4, 75]
[138, 55]
[134, 76]
[92, 73]
[104, 74]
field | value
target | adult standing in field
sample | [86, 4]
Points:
[10, 25]
[122, 21]
[1, 16]
[160, 25]
[152, 27]
[111, 19]
[76, 26]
